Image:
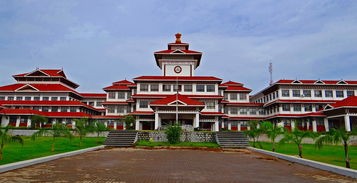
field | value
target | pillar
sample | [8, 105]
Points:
[17, 121]
[28, 123]
[156, 121]
[106, 124]
[216, 126]
[115, 125]
[239, 126]
[73, 124]
[197, 121]
[314, 125]
[137, 124]
[222, 124]
[229, 125]
[347, 123]
[292, 124]
[327, 128]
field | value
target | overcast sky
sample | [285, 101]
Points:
[99, 42]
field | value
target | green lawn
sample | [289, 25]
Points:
[330, 154]
[14, 152]
[181, 144]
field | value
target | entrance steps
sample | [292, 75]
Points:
[232, 139]
[121, 138]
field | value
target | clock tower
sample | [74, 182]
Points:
[178, 60]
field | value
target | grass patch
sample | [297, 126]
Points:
[331, 154]
[180, 144]
[41, 147]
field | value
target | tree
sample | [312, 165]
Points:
[296, 136]
[5, 138]
[37, 120]
[82, 127]
[57, 130]
[336, 136]
[254, 132]
[272, 131]
[173, 134]
[98, 128]
[129, 122]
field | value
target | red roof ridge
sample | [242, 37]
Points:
[184, 100]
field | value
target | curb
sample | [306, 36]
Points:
[21, 164]
[323, 166]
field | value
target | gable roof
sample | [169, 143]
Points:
[44, 72]
[172, 99]
[347, 102]
[179, 78]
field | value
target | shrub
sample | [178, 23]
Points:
[173, 134]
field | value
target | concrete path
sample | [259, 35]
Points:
[138, 165]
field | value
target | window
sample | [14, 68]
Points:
[11, 98]
[350, 93]
[36, 108]
[91, 103]
[144, 104]
[339, 93]
[286, 107]
[64, 109]
[45, 109]
[63, 98]
[253, 111]
[27, 98]
[188, 88]
[318, 93]
[308, 107]
[242, 96]
[306, 93]
[54, 98]
[166, 88]
[210, 105]
[226, 96]
[99, 104]
[154, 87]
[296, 93]
[211, 88]
[2, 97]
[45, 98]
[18, 98]
[121, 95]
[328, 93]
[200, 88]
[54, 109]
[73, 109]
[111, 109]
[234, 110]
[243, 111]
[144, 87]
[233, 96]
[121, 109]
[297, 107]
[177, 86]
[111, 95]
[285, 93]
[129, 94]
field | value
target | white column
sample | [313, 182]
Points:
[229, 125]
[137, 124]
[106, 124]
[216, 126]
[29, 122]
[222, 124]
[314, 125]
[124, 126]
[197, 121]
[292, 124]
[115, 125]
[17, 121]
[327, 128]
[156, 121]
[239, 129]
[307, 125]
[73, 124]
[347, 122]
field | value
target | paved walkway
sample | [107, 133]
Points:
[137, 165]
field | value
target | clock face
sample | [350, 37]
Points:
[177, 69]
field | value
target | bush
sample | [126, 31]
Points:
[173, 134]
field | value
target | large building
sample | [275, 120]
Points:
[196, 102]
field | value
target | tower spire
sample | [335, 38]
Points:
[178, 38]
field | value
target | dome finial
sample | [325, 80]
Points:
[178, 38]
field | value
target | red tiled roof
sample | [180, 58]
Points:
[231, 83]
[48, 72]
[179, 78]
[238, 88]
[347, 102]
[153, 96]
[107, 117]
[47, 114]
[311, 114]
[114, 103]
[39, 87]
[93, 95]
[117, 87]
[43, 103]
[180, 98]
[301, 101]
[328, 82]
[20, 112]
[212, 113]
[124, 82]
[177, 52]
[250, 104]
[142, 113]
[245, 118]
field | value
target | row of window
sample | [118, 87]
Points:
[235, 96]
[33, 98]
[244, 111]
[119, 109]
[174, 87]
[119, 95]
[52, 109]
[317, 93]
[97, 104]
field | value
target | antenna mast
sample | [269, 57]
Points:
[271, 73]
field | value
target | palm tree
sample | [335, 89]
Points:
[98, 128]
[82, 127]
[57, 130]
[296, 136]
[272, 131]
[336, 136]
[37, 120]
[254, 132]
[5, 138]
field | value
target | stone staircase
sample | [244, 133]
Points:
[232, 139]
[121, 138]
